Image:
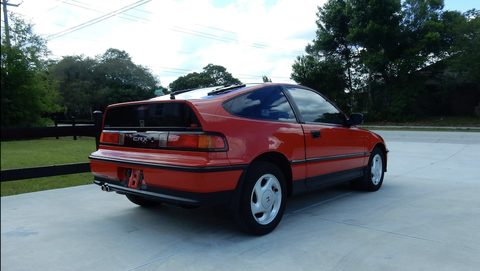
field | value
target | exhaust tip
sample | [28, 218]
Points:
[106, 188]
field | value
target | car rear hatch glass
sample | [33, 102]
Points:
[155, 116]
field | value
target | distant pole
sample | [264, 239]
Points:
[5, 17]
[98, 118]
[73, 128]
[56, 125]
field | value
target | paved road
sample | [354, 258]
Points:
[425, 217]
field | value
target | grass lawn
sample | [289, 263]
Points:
[45, 152]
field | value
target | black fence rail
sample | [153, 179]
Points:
[39, 132]
[82, 129]
[47, 171]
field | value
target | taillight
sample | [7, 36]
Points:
[189, 141]
[212, 142]
[111, 138]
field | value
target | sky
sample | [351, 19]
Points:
[250, 38]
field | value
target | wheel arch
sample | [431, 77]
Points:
[383, 148]
[282, 163]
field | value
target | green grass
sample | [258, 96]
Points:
[45, 152]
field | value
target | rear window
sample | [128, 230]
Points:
[151, 116]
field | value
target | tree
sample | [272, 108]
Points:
[189, 81]
[465, 32]
[26, 95]
[326, 75]
[458, 75]
[266, 79]
[212, 75]
[376, 31]
[219, 75]
[375, 50]
[89, 84]
[331, 60]
[74, 77]
[331, 42]
[117, 79]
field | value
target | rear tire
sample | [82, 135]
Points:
[373, 178]
[139, 200]
[262, 199]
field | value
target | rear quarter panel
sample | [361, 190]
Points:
[249, 138]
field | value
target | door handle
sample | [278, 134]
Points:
[315, 134]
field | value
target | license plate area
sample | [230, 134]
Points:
[134, 178]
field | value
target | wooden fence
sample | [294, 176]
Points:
[73, 129]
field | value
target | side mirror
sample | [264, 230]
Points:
[355, 118]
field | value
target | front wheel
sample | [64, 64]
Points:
[262, 199]
[374, 173]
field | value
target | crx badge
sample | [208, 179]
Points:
[142, 139]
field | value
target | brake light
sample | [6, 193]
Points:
[111, 138]
[191, 141]
[196, 141]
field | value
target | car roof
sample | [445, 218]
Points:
[211, 92]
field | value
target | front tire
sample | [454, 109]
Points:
[262, 199]
[373, 178]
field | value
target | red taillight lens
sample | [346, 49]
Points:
[191, 141]
[182, 141]
[111, 138]
[196, 141]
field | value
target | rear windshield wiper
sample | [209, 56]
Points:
[172, 95]
[225, 88]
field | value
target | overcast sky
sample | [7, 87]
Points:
[250, 38]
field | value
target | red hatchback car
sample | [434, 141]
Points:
[248, 147]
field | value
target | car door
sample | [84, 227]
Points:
[334, 152]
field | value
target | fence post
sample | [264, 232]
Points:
[56, 124]
[73, 128]
[98, 118]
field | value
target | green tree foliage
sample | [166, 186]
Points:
[118, 79]
[266, 79]
[74, 81]
[89, 84]
[465, 60]
[26, 95]
[369, 53]
[190, 81]
[460, 71]
[331, 60]
[212, 75]
[326, 75]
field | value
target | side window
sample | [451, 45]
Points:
[266, 103]
[315, 108]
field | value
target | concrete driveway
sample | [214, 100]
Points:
[425, 217]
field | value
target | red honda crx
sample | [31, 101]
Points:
[248, 147]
